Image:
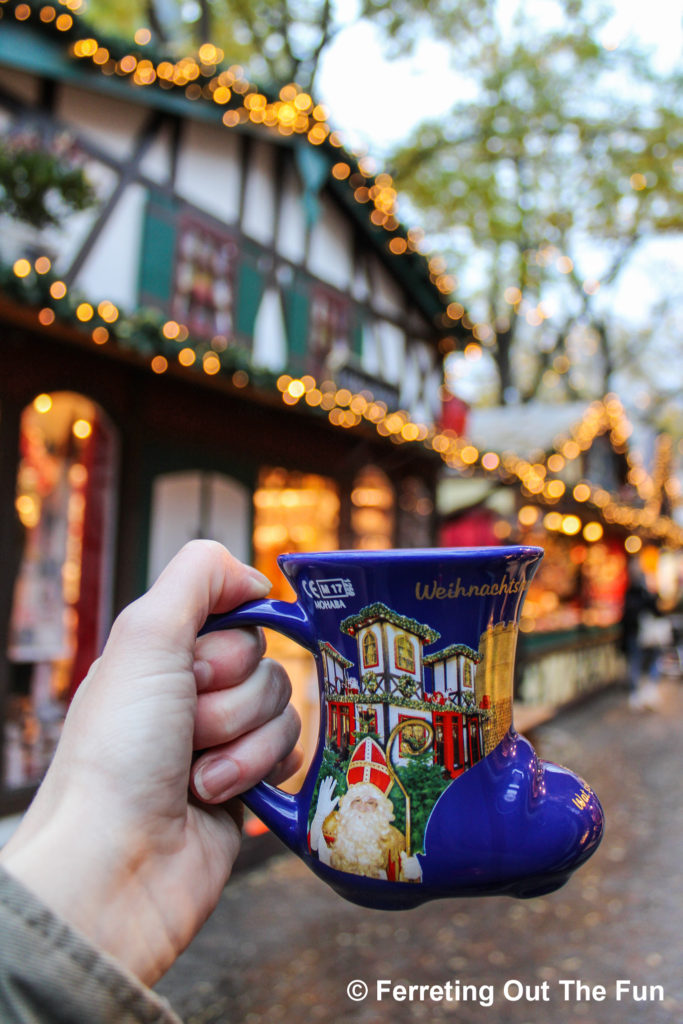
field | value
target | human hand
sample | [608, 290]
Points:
[325, 805]
[113, 842]
[411, 870]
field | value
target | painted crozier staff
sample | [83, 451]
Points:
[359, 837]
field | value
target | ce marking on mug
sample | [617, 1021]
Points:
[328, 590]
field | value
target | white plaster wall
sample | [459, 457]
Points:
[111, 271]
[331, 248]
[208, 171]
[269, 347]
[387, 296]
[110, 123]
[369, 357]
[411, 383]
[360, 287]
[63, 243]
[291, 241]
[392, 344]
[156, 163]
[259, 196]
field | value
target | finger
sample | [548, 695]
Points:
[288, 767]
[202, 578]
[223, 715]
[228, 657]
[228, 771]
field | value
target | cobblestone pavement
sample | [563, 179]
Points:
[282, 947]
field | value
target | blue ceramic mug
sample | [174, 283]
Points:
[420, 788]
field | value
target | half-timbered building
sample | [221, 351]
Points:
[222, 330]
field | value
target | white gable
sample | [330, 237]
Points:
[208, 173]
[259, 196]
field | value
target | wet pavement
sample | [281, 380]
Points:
[605, 949]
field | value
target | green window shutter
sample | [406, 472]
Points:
[250, 286]
[296, 313]
[157, 251]
[356, 332]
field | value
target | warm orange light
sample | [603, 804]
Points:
[100, 335]
[186, 356]
[554, 489]
[552, 521]
[159, 364]
[592, 532]
[22, 268]
[211, 364]
[57, 289]
[570, 525]
[84, 312]
[108, 311]
[528, 514]
[82, 429]
[170, 329]
[42, 403]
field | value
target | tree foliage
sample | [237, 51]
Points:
[542, 185]
[278, 41]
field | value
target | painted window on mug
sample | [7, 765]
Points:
[370, 652]
[404, 653]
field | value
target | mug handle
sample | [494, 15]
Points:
[281, 812]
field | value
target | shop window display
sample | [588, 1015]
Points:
[60, 612]
[372, 510]
[294, 512]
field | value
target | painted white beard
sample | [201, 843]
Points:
[359, 845]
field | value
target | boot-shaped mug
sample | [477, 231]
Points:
[420, 787]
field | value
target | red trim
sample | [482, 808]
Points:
[452, 726]
[343, 709]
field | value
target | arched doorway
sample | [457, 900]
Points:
[60, 613]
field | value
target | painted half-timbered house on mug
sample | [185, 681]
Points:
[393, 687]
[212, 324]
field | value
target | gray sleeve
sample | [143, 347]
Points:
[51, 973]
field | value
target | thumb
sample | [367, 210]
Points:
[203, 578]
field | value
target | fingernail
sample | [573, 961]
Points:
[203, 674]
[216, 778]
[263, 583]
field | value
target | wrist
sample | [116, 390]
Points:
[101, 898]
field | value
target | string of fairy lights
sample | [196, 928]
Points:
[295, 112]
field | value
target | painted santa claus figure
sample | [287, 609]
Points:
[354, 833]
